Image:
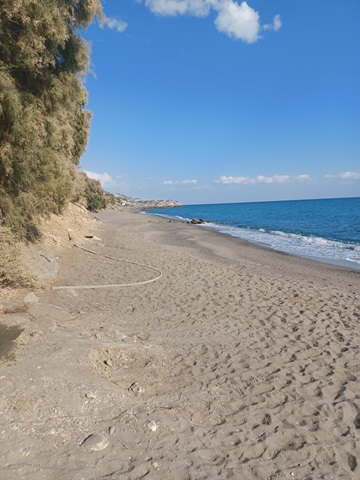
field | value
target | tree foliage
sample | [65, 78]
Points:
[94, 195]
[44, 125]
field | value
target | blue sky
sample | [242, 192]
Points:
[211, 101]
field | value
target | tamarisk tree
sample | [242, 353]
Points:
[44, 126]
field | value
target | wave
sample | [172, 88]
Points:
[297, 244]
[308, 246]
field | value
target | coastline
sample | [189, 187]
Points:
[238, 362]
[323, 230]
[216, 228]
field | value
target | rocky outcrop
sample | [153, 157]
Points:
[197, 221]
[138, 204]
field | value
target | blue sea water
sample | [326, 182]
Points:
[327, 230]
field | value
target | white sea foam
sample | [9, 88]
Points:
[322, 249]
[306, 246]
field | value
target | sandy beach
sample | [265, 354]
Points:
[217, 360]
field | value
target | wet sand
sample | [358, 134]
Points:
[238, 362]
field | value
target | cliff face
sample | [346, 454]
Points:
[138, 204]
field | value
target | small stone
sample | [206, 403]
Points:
[357, 421]
[267, 419]
[135, 389]
[90, 395]
[108, 363]
[52, 431]
[95, 442]
[112, 430]
[73, 237]
[352, 462]
[31, 298]
[152, 426]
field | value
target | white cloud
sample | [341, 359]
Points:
[118, 25]
[303, 177]
[182, 182]
[350, 175]
[237, 20]
[198, 8]
[238, 180]
[261, 179]
[240, 22]
[276, 25]
[281, 178]
[104, 178]
[345, 176]
[274, 179]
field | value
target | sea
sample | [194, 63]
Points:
[326, 230]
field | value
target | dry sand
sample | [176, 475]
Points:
[237, 363]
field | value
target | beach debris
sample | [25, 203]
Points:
[159, 273]
[95, 442]
[31, 298]
[152, 425]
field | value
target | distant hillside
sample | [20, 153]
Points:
[139, 204]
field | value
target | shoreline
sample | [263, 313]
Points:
[346, 264]
[239, 362]
[292, 250]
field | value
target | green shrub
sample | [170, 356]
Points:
[44, 125]
[94, 195]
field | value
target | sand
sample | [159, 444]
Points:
[238, 362]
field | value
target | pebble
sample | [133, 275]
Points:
[52, 431]
[152, 426]
[135, 388]
[112, 430]
[90, 395]
[95, 442]
[108, 363]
